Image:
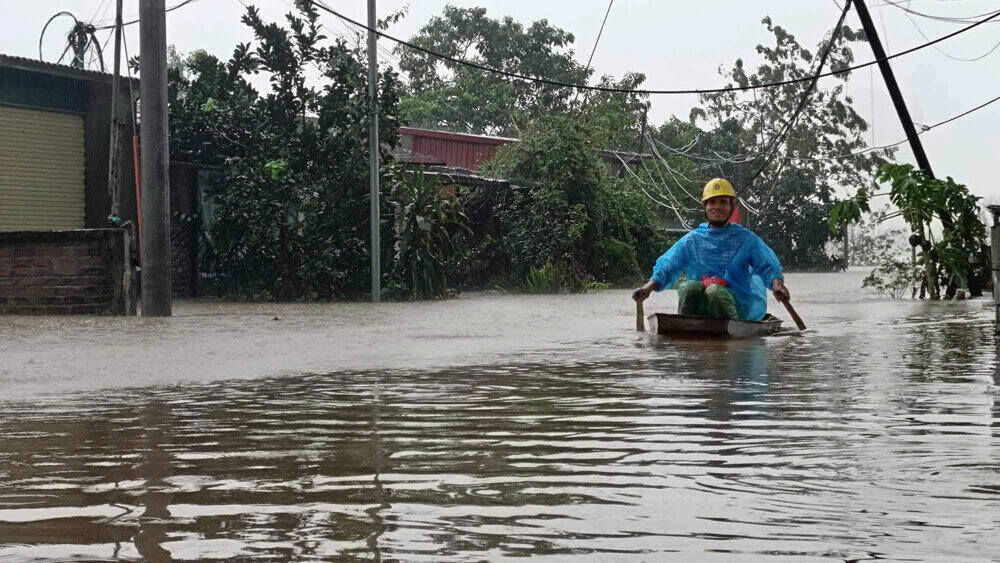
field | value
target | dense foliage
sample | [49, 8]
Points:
[442, 94]
[730, 135]
[959, 260]
[291, 212]
[426, 219]
[564, 217]
[457, 97]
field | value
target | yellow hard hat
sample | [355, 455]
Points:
[716, 187]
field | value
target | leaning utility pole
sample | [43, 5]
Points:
[154, 159]
[373, 155]
[894, 93]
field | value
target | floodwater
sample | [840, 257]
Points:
[497, 427]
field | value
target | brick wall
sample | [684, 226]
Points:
[65, 272]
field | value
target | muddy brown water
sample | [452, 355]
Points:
[497, 427]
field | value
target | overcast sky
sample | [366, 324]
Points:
[676, 44]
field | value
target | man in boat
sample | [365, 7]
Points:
[727, 267]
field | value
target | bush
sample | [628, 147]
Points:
[629, 226]
[893, 277]
[562, 210]
[291, 212]
[615, 262]
[426, 216]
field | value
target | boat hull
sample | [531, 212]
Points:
[666, 324]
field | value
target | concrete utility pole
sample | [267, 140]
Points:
[373, 155]
[890, 83]
[155, 161]
[114, 139]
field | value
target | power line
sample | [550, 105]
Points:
[747, 157]
[599, 33]
[646, 92]
[940, 50]
[965, 19]
[805, 97]
[923, 130]
[168, 10]
[99, 6]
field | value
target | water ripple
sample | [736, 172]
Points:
[856, 444]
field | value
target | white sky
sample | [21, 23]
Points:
[676, 44]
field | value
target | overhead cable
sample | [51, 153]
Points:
[947, 19]
[46, 26]
[599, 33]
[943, 52]
[777, 141]
[862, 152]
[551, 82]
[923, 130]
[136, 20]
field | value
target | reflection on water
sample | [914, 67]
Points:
[861, 443]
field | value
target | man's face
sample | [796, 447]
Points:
[718, 209]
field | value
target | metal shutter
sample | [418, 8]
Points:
[41, 170]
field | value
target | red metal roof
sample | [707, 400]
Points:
[460, 150]
[467, 137]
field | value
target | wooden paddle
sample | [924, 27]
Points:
[640, 319]
[795, 316]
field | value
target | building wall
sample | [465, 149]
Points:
[86, 94]
[97, 127]
[65, 272]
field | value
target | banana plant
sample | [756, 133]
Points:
[426, 217]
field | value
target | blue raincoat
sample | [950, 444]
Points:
[732, 253]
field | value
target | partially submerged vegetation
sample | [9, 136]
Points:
[291, 221]
[955, 263]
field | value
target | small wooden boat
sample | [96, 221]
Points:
[692, 325]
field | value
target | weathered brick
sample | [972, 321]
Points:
[54, 252]
[31, 262]
[21, 310]
[57, 290]
[85, 280]
[26, 272]
[59, 272]
[23, 301]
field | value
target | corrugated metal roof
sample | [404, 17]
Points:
[462, 176]
[467, 137]
[57, 69]
[405, 155]
[471, 151]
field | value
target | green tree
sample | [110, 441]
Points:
[617, 117]
[870, 241]
[426, 219]
[959, 259]
[291, 207]
[794, 192]
[461, 98]
[569, 219]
